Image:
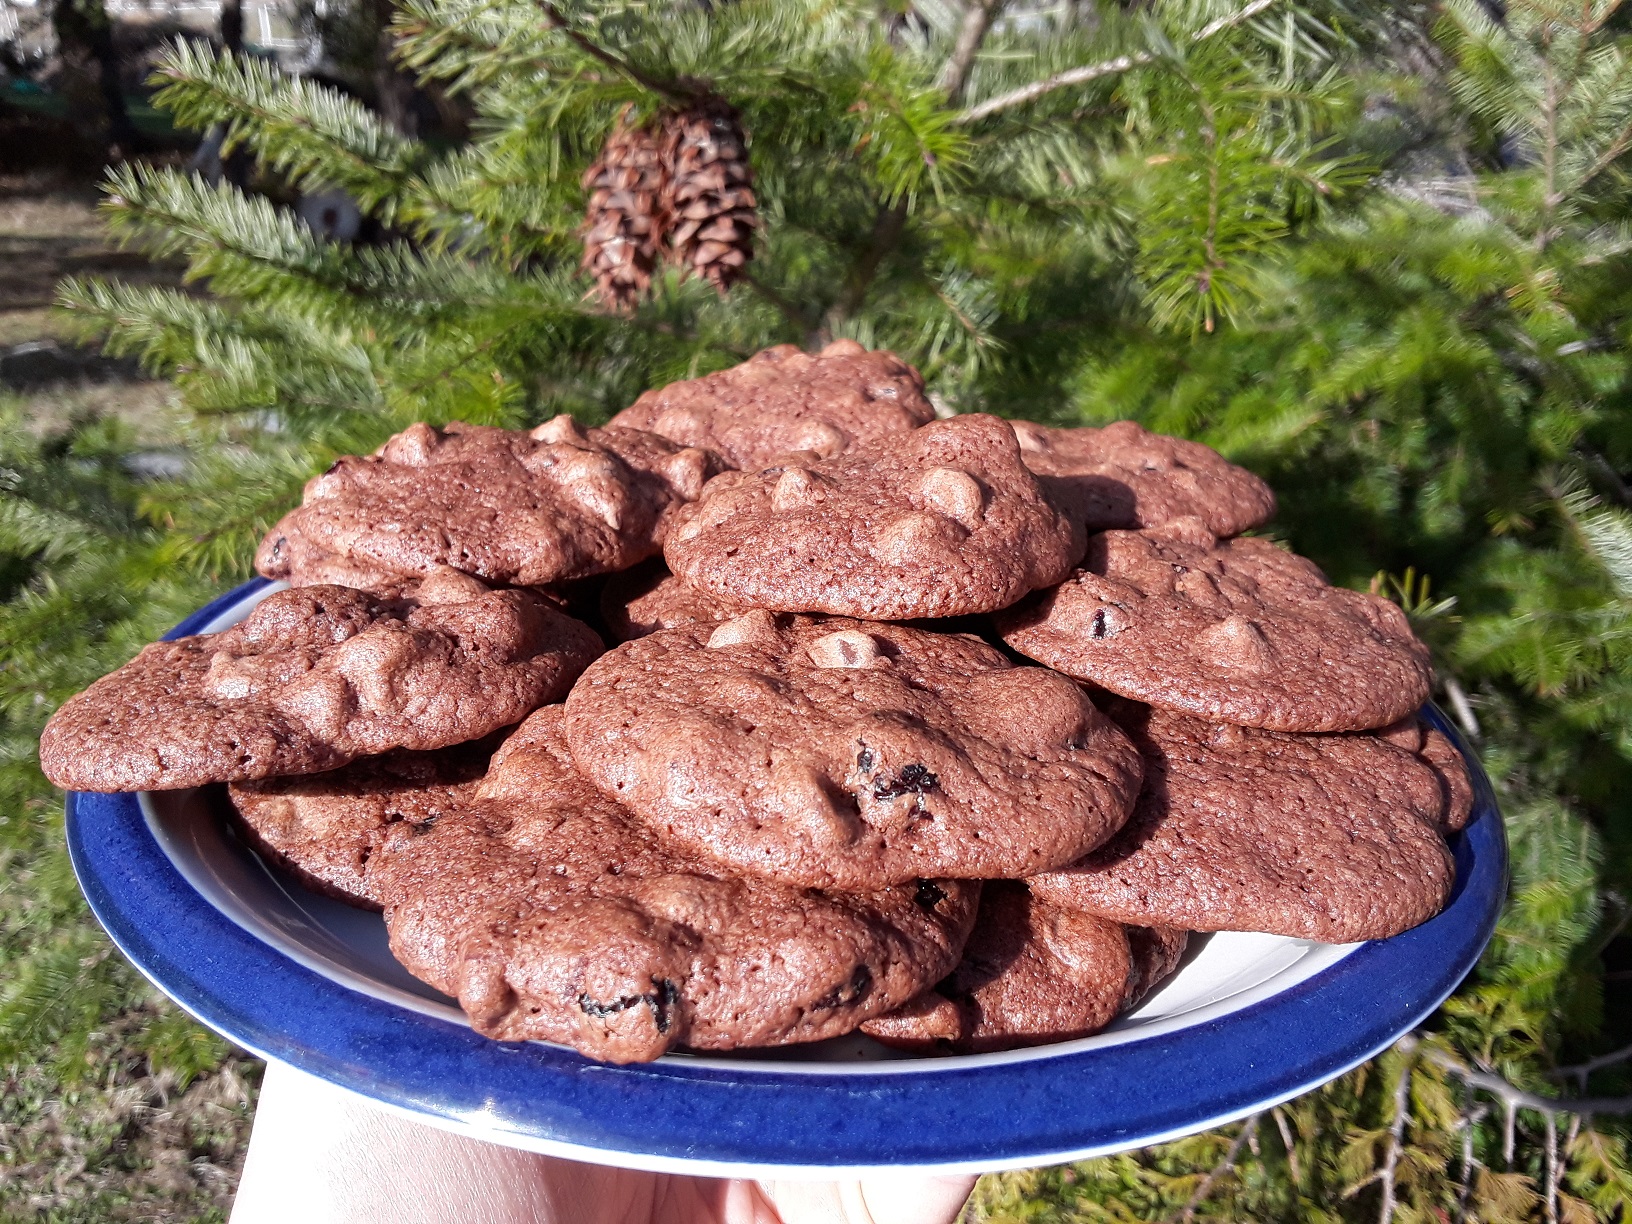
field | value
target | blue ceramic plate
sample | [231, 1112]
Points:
[1248, 1021]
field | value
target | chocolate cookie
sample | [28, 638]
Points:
[1436, 751]
[323, 828]
[313, 678]
[1155, 953]
[1327, 837]
[1032, 973]
[841, 754]
[648, 598]
[509, 506]
[551, 913]
[1238, 630]
[1125, 476]
[940, 522]
[783, 400]
[299, 564]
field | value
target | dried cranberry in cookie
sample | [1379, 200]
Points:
[1241, 631]
[838, 753]
[313, 678]
[551, 913]
[943, 521]
[1328, 837]
[1122, 475]
[524, 508]
[783, 400]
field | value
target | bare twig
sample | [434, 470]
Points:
[1552, 1167]
[1287, 1142]
[1249, 1131]
[674, 91]
[1071, 76]
[1092, 72]
[1469, 1120]
[1514, 1097]
[1396, 1129]
[1463, 709]
[977, 19]
[1579, 1071]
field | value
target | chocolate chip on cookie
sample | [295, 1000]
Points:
[1236, 630]
[312, 679]
[1032, 973]
[940, 522]
[525, 508]
[323, 828]
[783, 400]
[1327, 837]
[648, 598]
[551, 913]
[843, 754]
[1125, 476]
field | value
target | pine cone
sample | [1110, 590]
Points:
[709, 201]
[623, 229]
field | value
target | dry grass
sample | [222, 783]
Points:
[113, 1106]
[49, 229]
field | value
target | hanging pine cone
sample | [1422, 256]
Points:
[709, 202]
[623, 230]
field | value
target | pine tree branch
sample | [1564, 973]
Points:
[790, 312]
[887, 228]
[892, 219]
[1513, 1097]
[1227, 1165]
[977, 19]
[1551, 1181]
[1463, 709]
[674, 91]
[1396, 1131]
[1580, 1071]
[1606, 159]
[1288, 1143]
[1092, 72]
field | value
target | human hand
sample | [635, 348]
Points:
[319, 1155]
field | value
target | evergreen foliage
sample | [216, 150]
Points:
[1376, 251]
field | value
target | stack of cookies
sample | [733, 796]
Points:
[949, 731]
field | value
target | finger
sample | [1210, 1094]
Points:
[887, 1199]
[320, 1155]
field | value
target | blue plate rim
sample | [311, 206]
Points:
[676, 1116]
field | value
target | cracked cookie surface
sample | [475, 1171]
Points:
[1241, 631]
[313, 678]
[943, 521]
[782, 400]
[550, 912]
[1326, 837]
[1124, 476]
[838, 753]
[522, 507]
